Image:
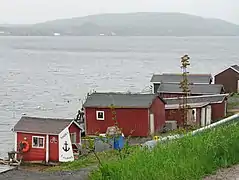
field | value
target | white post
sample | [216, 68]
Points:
[47, 148]
[15, 145]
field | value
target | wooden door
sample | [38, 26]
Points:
[53, 149]
[208, 115]
[191, 117]
[151, 123]
[203, 117]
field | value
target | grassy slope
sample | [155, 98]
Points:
[86, 161]
[233, 102]
[186, 158]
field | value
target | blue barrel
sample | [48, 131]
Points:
[118, 142]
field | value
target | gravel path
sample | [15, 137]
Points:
[226, 174]
[22, 174]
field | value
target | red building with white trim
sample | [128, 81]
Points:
[137, 114]
[229, 78]
[208, 108]
[46, 139]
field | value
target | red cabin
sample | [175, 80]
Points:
[229, 78]
[47, 139]
[207, 108]
[137, 114]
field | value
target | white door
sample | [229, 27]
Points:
[151, 123]
[208, 115]
[203, 117]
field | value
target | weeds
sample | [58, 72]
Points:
[191, 157]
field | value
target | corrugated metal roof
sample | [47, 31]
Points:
[41, 125]
[176, 78]
[218, 98]
[119, 100]
[194, 88]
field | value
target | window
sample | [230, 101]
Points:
[37, 142]
[194, 115]
[100, 115]
[73, 138]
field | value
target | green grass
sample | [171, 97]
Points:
[233, 101]
[89, 160]
[191, 157]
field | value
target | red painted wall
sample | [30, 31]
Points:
[75, 129]
[218, 111]
[129, 120]
[223, 78]
[134, 120]
[158, 109]
[34, 154]
[176, 115]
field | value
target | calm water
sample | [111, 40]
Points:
[50, 76]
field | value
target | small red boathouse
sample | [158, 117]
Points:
[47, 139]
[137, 114]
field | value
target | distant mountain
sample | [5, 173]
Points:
[130, 24]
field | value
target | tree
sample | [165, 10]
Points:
[184, 85]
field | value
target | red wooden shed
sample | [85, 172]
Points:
[137, 114]
[208, 108]
[194, 114]
[229, 78]
[47, 139]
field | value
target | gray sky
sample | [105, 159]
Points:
[32, 11]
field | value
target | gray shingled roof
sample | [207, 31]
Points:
[194, 88]
[191, 105]
[119, 100]
[236, 67]
[41, 125]
[176, 78]
[198, 99]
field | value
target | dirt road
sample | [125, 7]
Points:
[23, 174]
[226, 174]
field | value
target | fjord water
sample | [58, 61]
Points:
[50, 76]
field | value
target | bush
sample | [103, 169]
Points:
[191, 157]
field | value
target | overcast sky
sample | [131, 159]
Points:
[33, 11]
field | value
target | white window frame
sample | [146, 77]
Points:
[100, 119]
[74, 133]
[38, 147]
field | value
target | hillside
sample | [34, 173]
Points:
[131, 24]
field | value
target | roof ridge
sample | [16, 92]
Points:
[122, 93]
[205, 96]
[197, 74]
[196, 84]
[48, 118]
